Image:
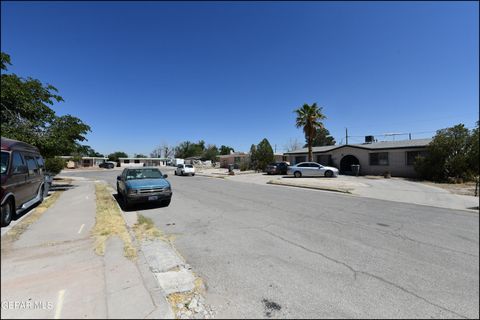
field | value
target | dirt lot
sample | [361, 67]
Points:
[467, 188]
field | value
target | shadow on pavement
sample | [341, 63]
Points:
[138, 206]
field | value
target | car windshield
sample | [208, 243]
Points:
[4, 164]
[144, 174]
[188, 166]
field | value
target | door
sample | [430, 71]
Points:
[316, 169]
[17, 183]
[34, 179]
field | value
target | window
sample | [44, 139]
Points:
[5, 158]
[379, 159]
[314, 165]
[17, 162]
[32, 165]
[299, 159]
[304, 165]
[41, 163]
[126, 161]
[412, 156]
[136, 161]
[324, 159]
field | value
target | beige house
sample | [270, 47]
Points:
[84, 162]
[142, 162]
[395, 157]
[235, 158]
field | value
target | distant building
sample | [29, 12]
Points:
[84, 162]
[235, 158]
[374, 158]
[142, 162]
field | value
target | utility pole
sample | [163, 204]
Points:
[275, 148]
[409, 136]
[346, 136]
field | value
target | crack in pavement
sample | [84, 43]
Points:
[355, 272]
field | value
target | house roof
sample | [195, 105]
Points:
[234, 154]
[416, 143]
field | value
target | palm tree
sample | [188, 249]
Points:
[309, 118]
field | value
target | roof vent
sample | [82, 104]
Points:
[369, 139]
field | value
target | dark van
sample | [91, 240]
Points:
[22, 178]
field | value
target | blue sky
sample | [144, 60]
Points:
[142, 73]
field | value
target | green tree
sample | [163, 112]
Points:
[473, 153]
[87, 151]
[322, 138]
[26, 115]
[224, 150]
[140, 156]
[264, 155]
[253, 157]
[308, 118]
[210, 153]
[115, 155]
[188, 149]
[448, 155]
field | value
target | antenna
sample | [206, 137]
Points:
[393, 134]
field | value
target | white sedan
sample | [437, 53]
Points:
[305, 169]
[184, 169]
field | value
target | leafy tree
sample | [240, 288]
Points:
[87, 151]
[54, 165]
[210, 153]
[118, 154]
[253, 157]
[322, 138]
[140, 156]
[224, 150]
[163, 151]
[264, 155]
[188, 149]
[473, 153]
[26, 115]
[448, 155]
[308, 118]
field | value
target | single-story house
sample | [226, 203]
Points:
[375, 158]
[142, 162]
[279, 157]
[84, 162]
[235, 158]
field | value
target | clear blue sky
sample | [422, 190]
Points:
[140, 73]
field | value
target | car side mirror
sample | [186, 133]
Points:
[119, 178]
[165, 176]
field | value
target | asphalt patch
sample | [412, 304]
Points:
[270, 306]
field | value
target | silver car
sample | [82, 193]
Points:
[311, 169]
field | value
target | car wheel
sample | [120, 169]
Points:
[193, 174]
[181, 173]
[297, 174]
[328, 173]
[175, 172]
[7, 213]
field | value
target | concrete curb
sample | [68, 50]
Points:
[306, 186]
[210, 176]
[157, 294]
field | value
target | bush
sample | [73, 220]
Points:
[244, 166]
[53, 166]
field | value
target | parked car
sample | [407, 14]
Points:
[277, 168]
[147, 184]
[312, 169]
[22, 178]
[107, 165]
[185, 169]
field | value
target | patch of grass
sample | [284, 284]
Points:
[145, 229]
[109, 222]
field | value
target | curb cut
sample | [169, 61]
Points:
[306, 186]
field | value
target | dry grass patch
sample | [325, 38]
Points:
[109, 222]
[145, 229]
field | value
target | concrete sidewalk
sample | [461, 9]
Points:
[53, 272]
[393, 189]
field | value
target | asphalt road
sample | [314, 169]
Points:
[272, 251]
